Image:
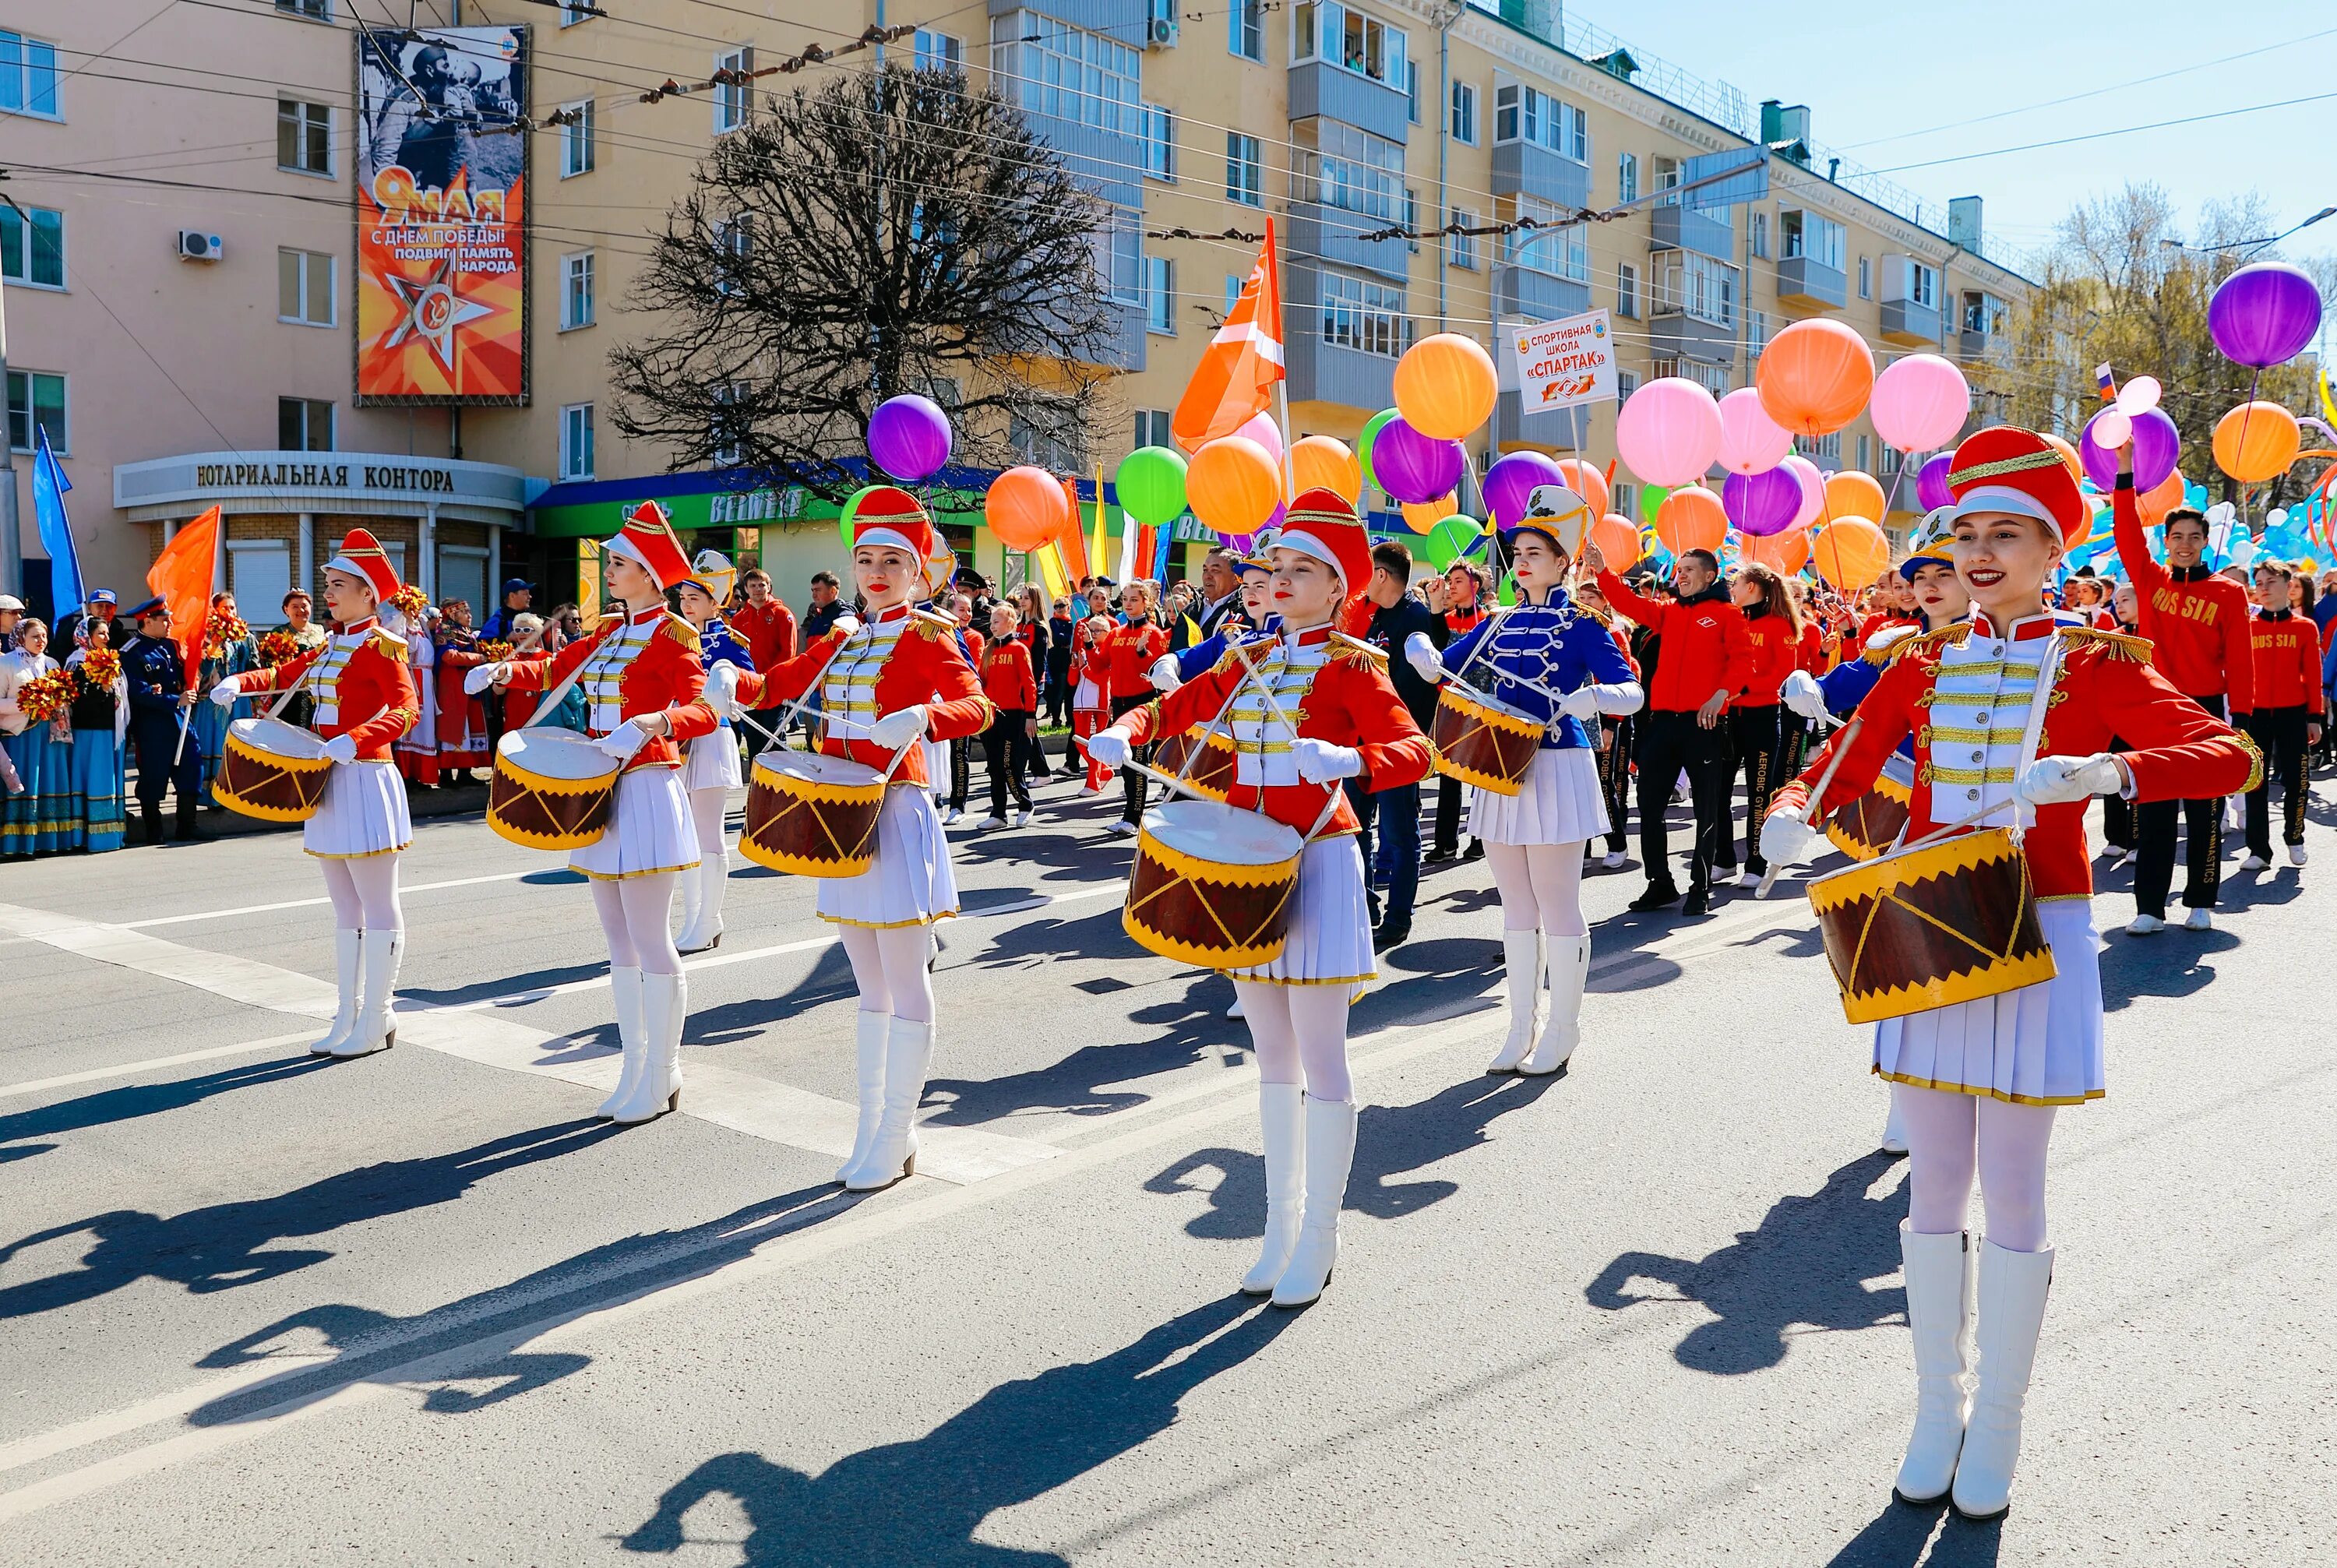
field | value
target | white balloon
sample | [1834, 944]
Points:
[2138, 397]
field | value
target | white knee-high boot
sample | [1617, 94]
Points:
[1522, 959]
[1939, 1302]
[702, 888]
[1894, 1131]
[2012, 1290]
[1330, 1154]
[657, 1087]
[625, 995]
[1570, 972]
[1282, 1114]
[345, 947]
[377, 1026]
[908, 1056]
[868, 1063]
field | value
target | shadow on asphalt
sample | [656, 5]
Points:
[921, 1502]
[2171, 964]
[1931, 1536]
[1805, 1267]
[133, 1101]
[503, 985]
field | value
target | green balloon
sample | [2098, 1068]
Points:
[1450, 539]
[1651, 501]
[851, 510]
[1151, 484]
[1371, 427]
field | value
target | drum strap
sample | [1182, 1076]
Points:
[2024, 815]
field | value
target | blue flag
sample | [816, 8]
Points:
[49, 488]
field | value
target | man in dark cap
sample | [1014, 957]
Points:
[159, 703]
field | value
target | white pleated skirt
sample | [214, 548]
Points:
[911, 884]
[362, 814]
[1558, 803]
[1330, 922]
[2039, 1045]
[649, 832]
[714, 761]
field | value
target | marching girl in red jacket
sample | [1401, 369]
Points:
[897, 680]
[1982, 1080]
[644, 703]
[364, 699]
[1756, 727]
[1350, 725]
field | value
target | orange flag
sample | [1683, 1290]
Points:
[181, 574]
[1229, 386]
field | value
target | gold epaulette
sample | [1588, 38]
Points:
[388, 642]
[602, 622]
[1881, 652]
[1928, 642]
[929, 624]
[2113, 644]
[679, 630]
[1601, 616]
[1356, 651]
[1237, 657]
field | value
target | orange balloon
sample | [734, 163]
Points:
[2255, 441]
[1784, 554]
[1618, 541]
[1586, 481]
[1233, 485]
[1851, 552]
[1691, 518]
[1321, 462]
[1025, 508]
[1815, 376]
[1445, 386]
[2069, 455]
[1851, 493]
[1421, 516]
[2153, 505]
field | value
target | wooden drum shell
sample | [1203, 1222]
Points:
[1867, 827]
[273, 786]
[1213, 770]
[1931, 926]
[1482, 744]
[806, 828]
[541, 811]
[1210, 914]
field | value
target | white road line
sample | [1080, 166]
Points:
[312, 903]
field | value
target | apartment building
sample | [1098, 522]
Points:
[180, 292]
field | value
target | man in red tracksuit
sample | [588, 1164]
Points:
[1707, 657]
[2289, 712]
[2197, 624]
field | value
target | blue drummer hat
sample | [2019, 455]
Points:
[1929, 545]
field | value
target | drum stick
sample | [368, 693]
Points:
[1817, 796]
[1175, 782]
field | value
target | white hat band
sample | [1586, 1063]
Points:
[2004, 498]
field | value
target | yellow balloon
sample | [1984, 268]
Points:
[2255, 441]
[1321, 462]
[1851, 552]
[1851, 493]
[1420, 516]
[1233, 485]
[1445, 386]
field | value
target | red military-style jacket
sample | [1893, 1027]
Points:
[900, 658]
[1707, 647]
[2198, 623]
[2287, 660]
[2105, 684]
[375, 681]
[665, 677]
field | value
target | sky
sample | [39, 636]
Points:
[1872, 74]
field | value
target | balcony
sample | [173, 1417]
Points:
[1322, 372]
[1683, 228]
[1561, 429]
[1911, 325]
[1522, 167]
[1120, 19]
[1675, 334]
[1971, 344]
[1522, 292]
[1338, 93]
[1124, 350]
[1332, 233]
[1808, 284]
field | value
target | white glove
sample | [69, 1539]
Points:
[341, 749]
[1163, 673]
[1786, 839]
[1420, 654]
[895, 730]
[1109, 746]
[1321, 762]
[479, 676]
[1582, 703]
[624, 740]
[722, 689]
[2057, 780]
[226, 692]
[845, 625]
[1803, 695]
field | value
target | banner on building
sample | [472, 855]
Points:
[1554, 365]
[442, 206]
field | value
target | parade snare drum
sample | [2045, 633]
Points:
[1213, 768]
[812, 815]
[1212, 885]
[272, 771]
[1932, 926]
[1482, 741]
[552, 789]
[1868, 825]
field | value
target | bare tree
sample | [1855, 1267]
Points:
[890, 231]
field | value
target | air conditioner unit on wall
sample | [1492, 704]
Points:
[1160, 33]
[196, 246]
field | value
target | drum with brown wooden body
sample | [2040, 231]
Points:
[551, 790]
[1484, 741]
[1212, 885]
[1931, 926]
[1868, 825]
[272, 771]
[812, 815]
[1209, 753]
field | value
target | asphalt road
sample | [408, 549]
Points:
[420, 1308]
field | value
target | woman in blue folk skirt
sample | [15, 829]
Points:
[94, 772]
[32, 820]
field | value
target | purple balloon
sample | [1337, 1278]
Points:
[2156, 444]
[2262, 315]
[1412, 467]
[909, 437]
[1762, 504]
[1510, 483]
[1931, 491]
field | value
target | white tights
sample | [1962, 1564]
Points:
[706, 814]
[888, 964]
[1301, 1035]
[1541, 886]
[633, 915]
[1952, 1135]
[364, 893]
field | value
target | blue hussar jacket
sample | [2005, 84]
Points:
[1203, 656]
[716, 645]
[1550, 643]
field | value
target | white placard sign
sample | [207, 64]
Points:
[1558, 365]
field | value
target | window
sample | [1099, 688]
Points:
[1464, 112]
[1364, 315]
[1412, 218]
[304, 288]
[1522, 113]
[37, 398]
[304, 137]
[1461, 250]
[28, 81]
[260, 570]
[1713, 379]
[1626, 382]
[1821, 449]
[733, 240]
[1983, 313]
[1160, 142]
[1560, 251]
[578, 133]
[729, 448]
[1756, 335]
[572, 12]
[1341, 165]
[1160, 295]
[1412, 89]
[33, 252]
[1697, 285]
[1627, 177]
[1923, 284]
[731, 97]
[462, 573]
[1152, 428]
[1760, 237]
[1245, 174]
[1866, 454]
[1866, 277]
[1622, 495]
[1245, 30]
[1805, 234]
[304, 424]
[1119, 256]
[321, 10]
[576, 441]
[1627, 291]
[1234, 281]
[1047, 432]
[576, 291]
[1339, 34]
[938, 52]
[1066, 73]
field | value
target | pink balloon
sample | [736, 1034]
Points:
[1750, 441]
[1669, 432]
[1919, 403]
[1813, 488]
[1263, 430]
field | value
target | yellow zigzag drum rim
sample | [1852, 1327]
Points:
[1880, 882]
[1188, 868]
[542, 784]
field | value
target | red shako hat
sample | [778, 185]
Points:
[888, 515]
[1321, 523]
[361, 555]
[2006, 469]
[649, 541]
